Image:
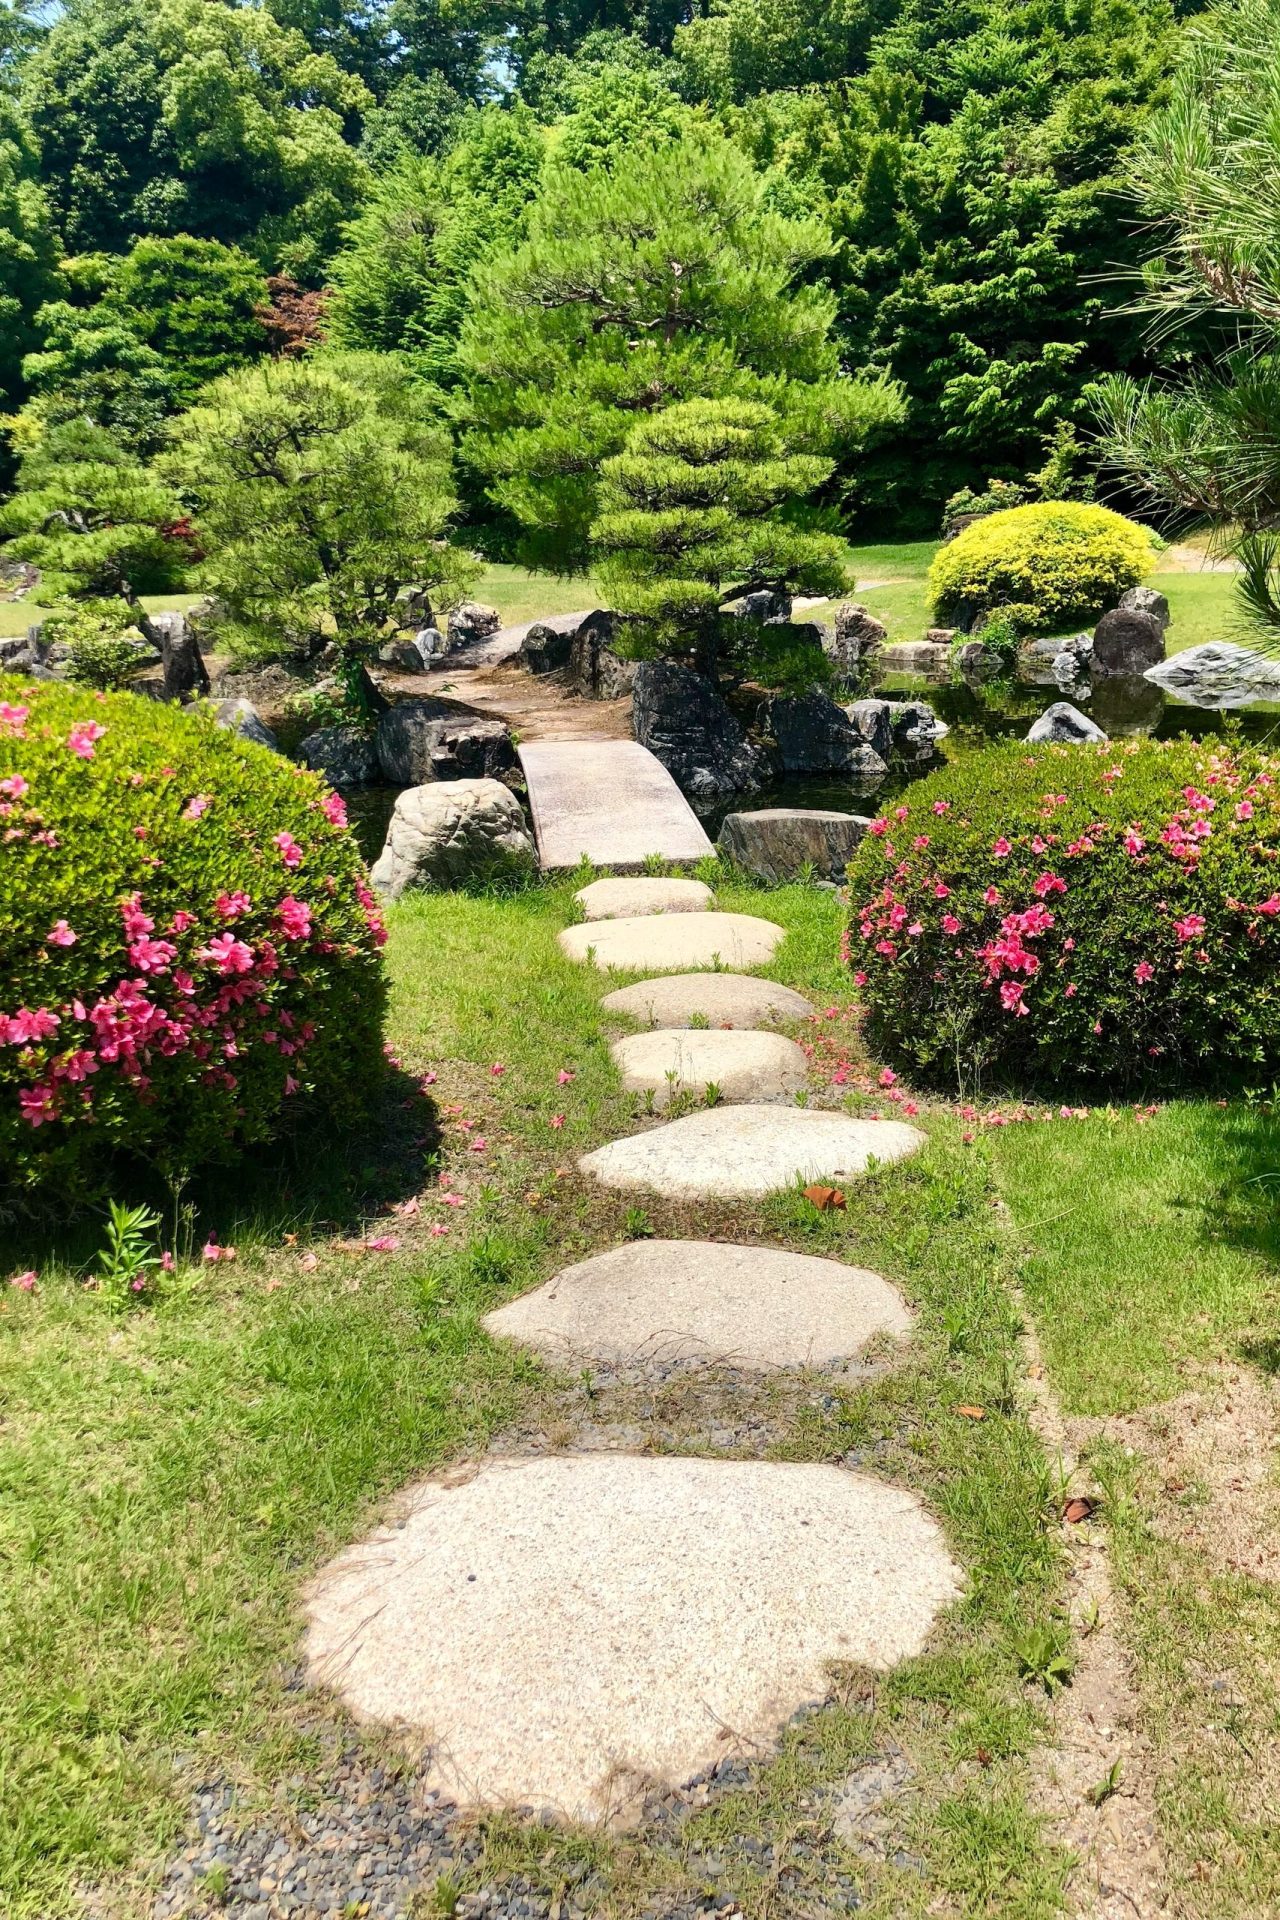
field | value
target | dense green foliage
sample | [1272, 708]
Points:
[190, 953]
[1077, 914]
[1043, 565]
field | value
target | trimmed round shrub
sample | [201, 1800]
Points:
[190, 952]
[1047, 565]
[1076, 914]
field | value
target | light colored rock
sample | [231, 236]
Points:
[449, 832]
[774, 843]
[242, 717]
[1218, 674]
[673, 942]
[726, 1151]
[569, 1630]
[1066, 725]
[633, 899]
[1147, 600]
[609, 801]
[743, 1065]
[707, 1000]
[663, 1300]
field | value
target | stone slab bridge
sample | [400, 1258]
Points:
[609, 800]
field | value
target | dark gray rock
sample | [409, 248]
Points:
[423, 740]
[814, 735]
[596, 670]
[1064, 724]
[770, 607]
[472, 621]
[776, 843]
[1218, 674]
[346, 756]
[242, 717]
[404, 654]
[858, 635]
[941, 636]
[544, 649]
[976, 661]
[413, 608]
[872, 722]
[681, 719]
[1126, 640]
[917, 729]
[1146, 600]
[185, 674]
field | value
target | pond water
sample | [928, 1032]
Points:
[977, 715]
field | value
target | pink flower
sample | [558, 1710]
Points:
[25, 1282]
[294, 918]
[557, 1120]
[229, 906]
[941, 891]
[1001, 848]
[1070, 990]
[1133, 841]
[941, 806]
[437, 1228]
[879, 828]
[216, 1255]
[859, 979]
[992, 896]
[82, 738]
[427, 1080]
[291, 1085]
[1011, 997]
[565, 1075]
[478, 1145]
[167, 1262]
[888, 1078]
[12, 719]
[1048, 883]
[497, 1070]
[38, 1104]
[385, 1243]
[910, 1108]
[181, 921]
[1190, 927]
[1143, 971]
[290, 851]
[452, 1200]
[227, 953]
[15, 786]
[334, 809]
[950, 924]
[1244, 810]
[151, 956]
[198, 804]
[60, 935]
[27, 1024]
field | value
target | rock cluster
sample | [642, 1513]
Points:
[682, 720]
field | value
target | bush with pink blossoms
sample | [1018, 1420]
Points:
[1106, 915]
[189, 952]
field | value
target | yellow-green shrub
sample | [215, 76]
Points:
[1049, 564]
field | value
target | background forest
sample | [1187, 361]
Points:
[187, 186]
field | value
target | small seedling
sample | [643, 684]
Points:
[802, 1097]
[1042, 1656]
[711, 1094]
[699, 1022]
[1109, 1784]
[636, 1224]
[216, 1882]
[128, 1262]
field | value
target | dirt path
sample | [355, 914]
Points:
[487, 676]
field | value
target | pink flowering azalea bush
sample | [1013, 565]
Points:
[1063, 914]
[189, 952]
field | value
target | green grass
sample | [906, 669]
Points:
[520, 595]
[1148, 1245]
[169, 1480]
[17, 615]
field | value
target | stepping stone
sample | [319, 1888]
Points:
[744, 1066]
[671, 942]
[632, 899]
[664, 1300]
[567, 1631]
[707, 999]
[727, 1151]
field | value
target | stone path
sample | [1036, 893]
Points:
[569, 1630]
[578, 1632]
[666, 1300]
[607, 801]
[669, 943]
[680, 1060]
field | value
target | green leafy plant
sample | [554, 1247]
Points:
[96, 632]
[1076, 914]
[1043, 1655]
[1047, 565]
[128, 1264]
[636, 1224]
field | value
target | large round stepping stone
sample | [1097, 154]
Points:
[664, 1300]
[634, 898]
[744, 1066]
[707, 1000]
[569, 1630]
[727, 1151]
[670, 942]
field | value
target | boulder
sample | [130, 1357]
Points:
[545, 649]
[1066, 725]
[596, 670]
[242, 717]
[452, 832]
[413, 652]
[413, 608]
[471, 622]
[932, 658]
[858, 635]
[684, 723]
[916, 728]
[185, 674]
[346, 756]
[976, 660]
[770, 606]
[1127, 640]
[814, 735]
[775, 843]
[421, 740]
[872, 721]
[940, 637]
[1218, 674]
[1146, 600]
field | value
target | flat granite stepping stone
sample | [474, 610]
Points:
[726, 1151]
[632, 899]
[663, 1300]
[707, 999]
[744, 1066]
[569, 1630]
[671, 942]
